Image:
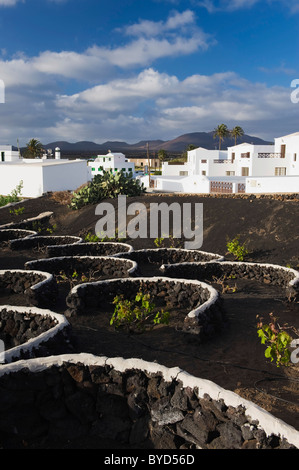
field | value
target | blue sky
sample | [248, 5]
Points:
[153, 69]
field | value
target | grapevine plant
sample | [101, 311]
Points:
[276, 339]
[138, 315]
[239, 251]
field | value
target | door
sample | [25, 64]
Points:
[283, 151]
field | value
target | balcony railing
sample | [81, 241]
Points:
[270, 155]
[223, 161]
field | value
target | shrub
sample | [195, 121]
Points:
[277, 339]
[106, 186]
[137, 315]
[14, 196]
[239, 251]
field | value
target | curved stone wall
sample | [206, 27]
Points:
[171, 256]
[43, 241]
[268, 273]
[29, 224]
[32, 332]
[7, 235]
[205, 315]
[90, 249]
[133, 402]
[37, 287]
[92, 267]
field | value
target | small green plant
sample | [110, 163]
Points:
[90, 238]
[14, 196]
[276, 339]
[18, 211]
[137, 315]
[51, 229]
[159, 241]
[235, 248]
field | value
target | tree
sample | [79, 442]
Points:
[221, 132]
[236, 132]
[162, 155]
[34, 149]
[185, 153]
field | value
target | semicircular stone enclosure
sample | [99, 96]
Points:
[6, 235]
[133, 402]
[40, 242]
[199, 300]
[89, 249]
[28, 332]
[85, 268]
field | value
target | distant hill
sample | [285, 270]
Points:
[179, 144]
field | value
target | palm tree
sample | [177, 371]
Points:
[162, 155]
[34, 149]
[236, 132]
[221, 132]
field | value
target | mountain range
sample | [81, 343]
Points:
[179, 144]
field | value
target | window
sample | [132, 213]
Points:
[280, 171]
[204, 173]
[230, 173]
[2, 156]
[93, 169]
[130, 169]
[283, 151]
[233, 156]
[245, 171]
[203, 161]
[295, 157]
[123, 169]
[141, 163]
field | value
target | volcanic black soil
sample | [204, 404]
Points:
[233, 359]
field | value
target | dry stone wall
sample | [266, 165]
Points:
[91, 267]
[38, 288]
[89, 249]
[45, 395]
[31, 332]
[135, 403]
[267, 273]
[205, 315]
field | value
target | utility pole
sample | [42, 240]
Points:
[149, 166]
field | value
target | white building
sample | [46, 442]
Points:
[40, 176]
[112, 162]
[8, 154]
[241, 168]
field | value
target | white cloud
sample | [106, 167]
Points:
[175, 21]
[12, 3]
[9, 3]
[233, 5]
[126, 98]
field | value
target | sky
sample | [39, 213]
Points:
[94, 70]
